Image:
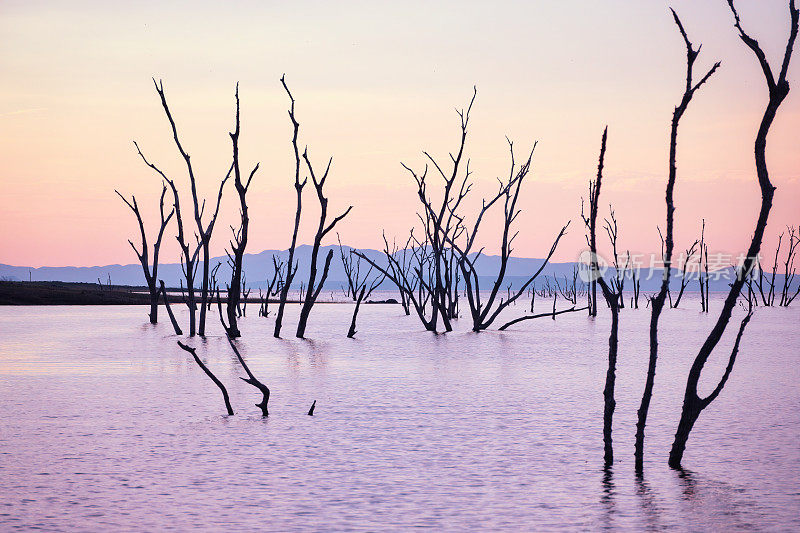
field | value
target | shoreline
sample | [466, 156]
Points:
[44, 293]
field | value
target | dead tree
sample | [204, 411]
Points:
[447, 248]
[570, 289]
[484, 313]
[409, 276]
[769, 298]
[208, 372]
[252, 380]
[436, 255]
[440, 224]
[291, 267]
[751, 298]
[435, 264]
[400, 270]
[359, 285]
[436, 269]
[778, 89]
[636, 280]
[657, 302]
[204, 231]
[239, 242]
[663, 254]
[180, 283]
[545, 290]
[315, 285]
[245, 292]
[214, 282]
[612, 297]
[403, 270]
[150, 276]
[789, 270]
[618, 281]
[591, 224]
[550, 314]
[275, 285]
[684, 280]
[701, 279]
[188, 255]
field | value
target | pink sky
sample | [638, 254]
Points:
[376, 84]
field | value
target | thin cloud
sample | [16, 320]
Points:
[23, 111]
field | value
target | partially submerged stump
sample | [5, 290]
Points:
[251, 379]
[208, 372]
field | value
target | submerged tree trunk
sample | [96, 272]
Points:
[153, 306]
[550, 314]
[201, 329]
[175, 326]
[693, 405]
[251, 379]
[609, 403]
[352, 331]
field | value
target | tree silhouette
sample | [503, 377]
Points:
[778, 89]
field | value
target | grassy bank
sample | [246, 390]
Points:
[63, 293]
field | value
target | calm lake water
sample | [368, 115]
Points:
[107, 425]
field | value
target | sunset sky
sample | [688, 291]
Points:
[376, 83]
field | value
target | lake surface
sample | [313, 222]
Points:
[107, 425]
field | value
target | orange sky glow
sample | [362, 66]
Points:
[376, 83]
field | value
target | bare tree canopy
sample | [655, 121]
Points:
[430, 269]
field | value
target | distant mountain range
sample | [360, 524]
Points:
[258, 270]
